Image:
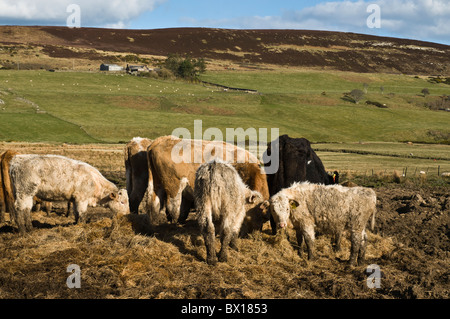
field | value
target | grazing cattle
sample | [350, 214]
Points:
[58, 178]
[222, 200]
[331, 209]
[136, 171]
[172, 169]
[297, 163]
[6, 191]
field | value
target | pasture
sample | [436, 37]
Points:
[86, 115]
[84, 107]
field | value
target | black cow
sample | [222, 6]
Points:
[297, 163]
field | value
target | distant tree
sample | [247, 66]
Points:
[425, 92]
[356, 95]
[186, 68]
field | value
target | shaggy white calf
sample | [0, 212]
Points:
[330, 209]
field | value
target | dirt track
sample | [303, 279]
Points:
[129, 258]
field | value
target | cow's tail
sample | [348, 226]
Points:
[128, 170]
[6, 179]
[153, 201]
[372, 223]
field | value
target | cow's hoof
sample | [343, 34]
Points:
[234, 246]
[211, 261]
[223, 258]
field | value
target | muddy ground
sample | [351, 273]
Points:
[130, 257]
[127, 257]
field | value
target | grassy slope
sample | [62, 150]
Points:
[92, 107]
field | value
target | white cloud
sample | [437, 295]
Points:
[102, 13]
[417, 19]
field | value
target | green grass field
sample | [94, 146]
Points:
[93, 107]
[81, 107]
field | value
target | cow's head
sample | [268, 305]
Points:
[280, 208]
[256, 212]
[118, 202]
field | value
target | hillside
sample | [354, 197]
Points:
[293, 48]
[86, 107]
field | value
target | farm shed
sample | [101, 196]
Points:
[110, 67]
[137, 68]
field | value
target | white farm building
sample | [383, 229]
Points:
[110, 67]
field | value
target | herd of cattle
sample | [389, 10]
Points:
[231, 198]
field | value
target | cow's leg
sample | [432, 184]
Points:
[308, 235]
[273, 225]
[152, 204]
[156, 206]
[233, 242]
[185, 208]
[22, 213]
[299, 235]
[356, 240]
[173, 208]
[2, 211]
[138, 193]
[226, 237]
[69, 204]
[37, 206]
[337, 241]
[48, 207]
[209, 237]
[135, 200]
[362, 248]
[79, 210]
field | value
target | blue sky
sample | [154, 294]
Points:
[426, 20]
[182, 13]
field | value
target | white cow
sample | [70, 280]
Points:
[58, 178]
[221, 198]
[331, 209]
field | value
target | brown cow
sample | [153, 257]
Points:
[6, 190]
[136, 171]
[172, 165]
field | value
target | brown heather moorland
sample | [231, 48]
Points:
[323, 50]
